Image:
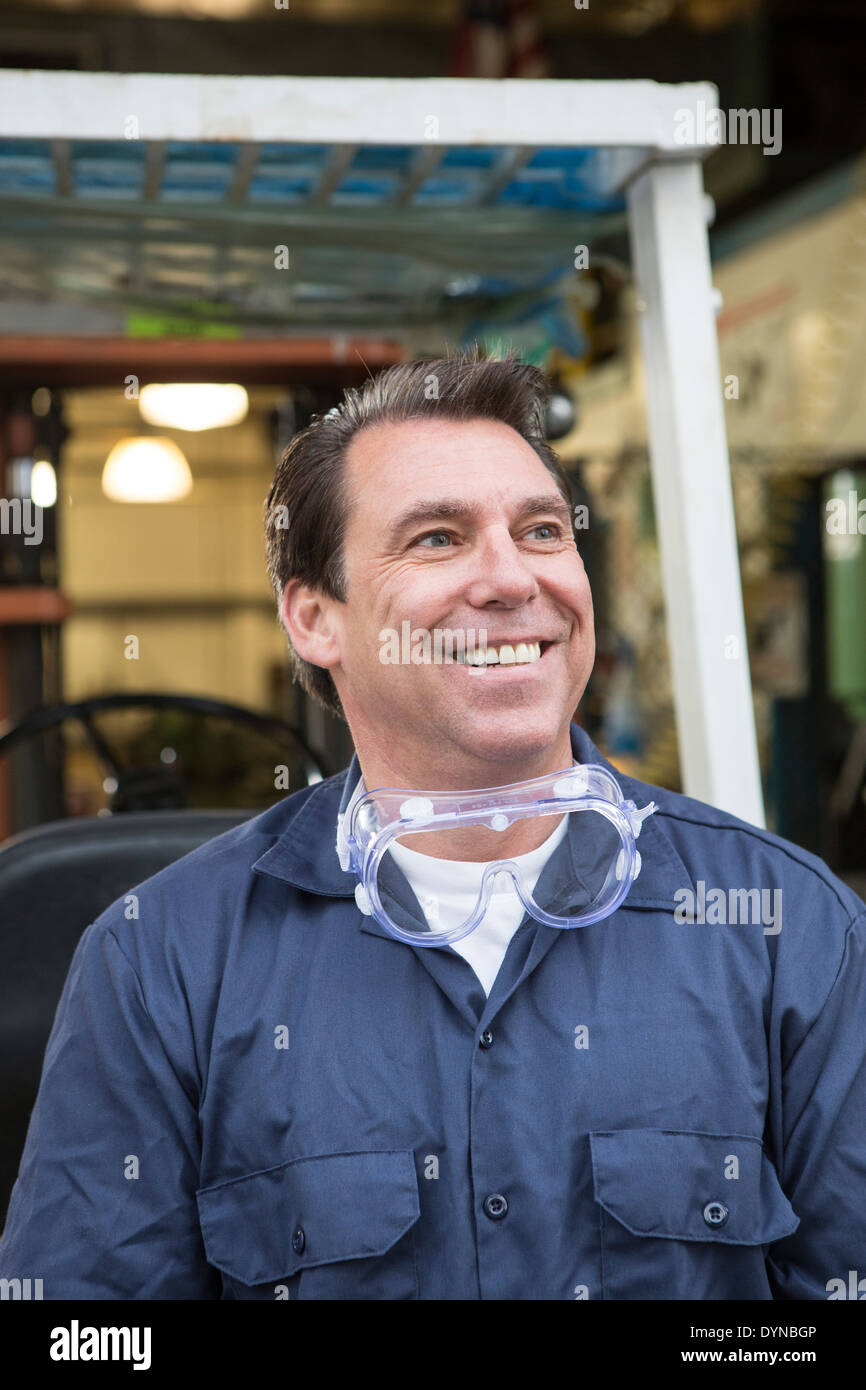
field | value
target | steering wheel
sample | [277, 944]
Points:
[153, 788]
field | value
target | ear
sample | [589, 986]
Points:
[306, 614]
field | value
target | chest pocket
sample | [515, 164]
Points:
[341, 1222]
[686, 1215]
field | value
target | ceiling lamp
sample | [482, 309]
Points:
[43, 484]
[146, 468]
[193, 406]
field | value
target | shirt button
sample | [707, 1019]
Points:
[486, 1039]
[716, 1213]
[495, 1206]
[299, 1240]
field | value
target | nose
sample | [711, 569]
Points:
[501, 574]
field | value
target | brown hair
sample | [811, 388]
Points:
[306, 511]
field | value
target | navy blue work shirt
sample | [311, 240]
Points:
[252, 1091]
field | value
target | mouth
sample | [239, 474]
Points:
[504, 655]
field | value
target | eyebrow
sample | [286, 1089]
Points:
[455, 509]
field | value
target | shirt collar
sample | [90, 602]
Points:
[305, 853]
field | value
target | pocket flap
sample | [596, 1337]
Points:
[680, 1185]
[347, 1205]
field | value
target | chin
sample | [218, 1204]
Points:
[513, 736]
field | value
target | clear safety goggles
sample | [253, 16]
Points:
[584, 880]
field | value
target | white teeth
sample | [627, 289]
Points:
[524, 654]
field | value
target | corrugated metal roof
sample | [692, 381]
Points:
[376, 236]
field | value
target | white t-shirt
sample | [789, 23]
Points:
[449, 888]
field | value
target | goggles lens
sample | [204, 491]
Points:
[450, 847]
[571, 883]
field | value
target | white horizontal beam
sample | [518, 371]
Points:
[350, 111]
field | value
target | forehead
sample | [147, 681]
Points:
[397, 460]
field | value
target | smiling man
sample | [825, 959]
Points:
[435, 1028]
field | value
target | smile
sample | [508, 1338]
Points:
[521, 654]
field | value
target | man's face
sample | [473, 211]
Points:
[459, 526]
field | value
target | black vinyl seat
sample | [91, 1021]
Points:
[54, 881]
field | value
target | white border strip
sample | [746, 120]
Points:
[359, 110]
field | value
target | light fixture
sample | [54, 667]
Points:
[43, 484]
[560, 416]
[193, 406]
[146, 468]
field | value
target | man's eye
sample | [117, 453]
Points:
[552, 527]
[435, 538]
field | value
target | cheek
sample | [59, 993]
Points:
[586, 596]
[575, 595]
[419, 596]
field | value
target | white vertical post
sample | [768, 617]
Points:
[692, 489]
